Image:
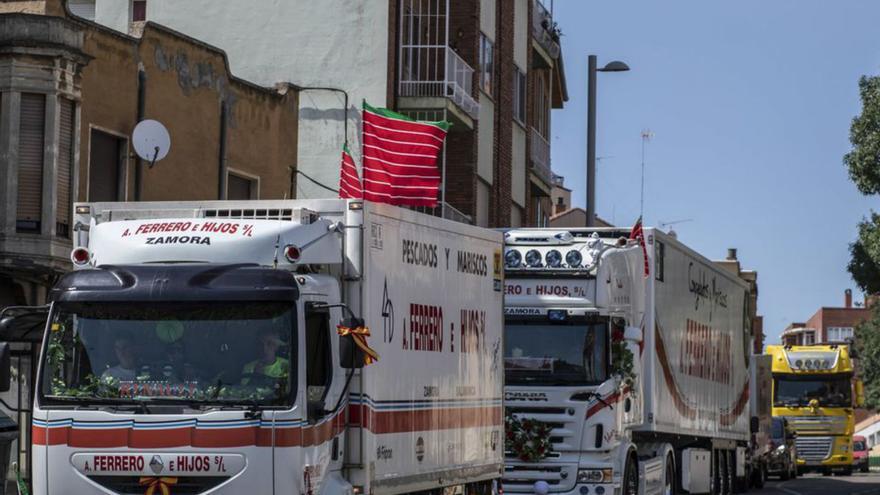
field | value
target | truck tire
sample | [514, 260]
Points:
[630, 478]
[669, 476]
[846, 472]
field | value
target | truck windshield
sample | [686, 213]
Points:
[830, 391]
[192, 353]
[544, 353]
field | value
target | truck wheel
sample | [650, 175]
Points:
[723, 474]
[846, 472]
[669, 477]
[631, 477]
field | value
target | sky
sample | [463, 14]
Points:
[750, 104]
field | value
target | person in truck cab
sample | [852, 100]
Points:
[126, 369]
[270, 364]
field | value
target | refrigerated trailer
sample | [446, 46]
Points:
[579, 305]
[296, 347]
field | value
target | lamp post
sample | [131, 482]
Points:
[615, 66]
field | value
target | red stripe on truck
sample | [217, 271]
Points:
[378, 422]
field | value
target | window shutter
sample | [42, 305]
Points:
[30, 162]
[65, 167]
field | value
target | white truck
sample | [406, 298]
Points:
[219, 347]
[632, 372]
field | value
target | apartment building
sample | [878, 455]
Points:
[71, 92]
[832, 325]
[491, 67]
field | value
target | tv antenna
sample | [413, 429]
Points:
[663, 224]
[647, 135]
[151, 141]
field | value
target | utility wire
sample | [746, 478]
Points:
[315, 181]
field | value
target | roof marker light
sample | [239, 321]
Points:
[80, 256]
[292, 253]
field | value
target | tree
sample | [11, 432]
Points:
[864, 134]
[864, 265]
[863, 163]
[867, 346]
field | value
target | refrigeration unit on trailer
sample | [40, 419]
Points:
[630, 369]
[290, 347]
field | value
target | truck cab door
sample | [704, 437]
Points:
[321, 385]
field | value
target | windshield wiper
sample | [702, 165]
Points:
[103, 401]
[595, 395]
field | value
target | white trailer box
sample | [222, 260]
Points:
[697, 345]
[427, 415]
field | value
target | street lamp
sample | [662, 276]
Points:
[615, 66]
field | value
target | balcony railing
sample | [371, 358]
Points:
[447, 211]
[540, 156]
[543, 29]
[428, 66]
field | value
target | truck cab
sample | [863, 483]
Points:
[815, 391]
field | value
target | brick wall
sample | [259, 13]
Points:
[499, 216]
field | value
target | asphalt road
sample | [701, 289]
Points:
[813, 484]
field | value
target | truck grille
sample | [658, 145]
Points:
[831, 425]
[520, 477]
[814, 448]
[184, 485]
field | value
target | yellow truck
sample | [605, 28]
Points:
[815, 391]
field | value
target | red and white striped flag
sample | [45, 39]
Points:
[639, 234]
[349, 181]
[400, 158]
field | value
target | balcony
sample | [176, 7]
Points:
[540, 157]
[544, 30]
[429, 69]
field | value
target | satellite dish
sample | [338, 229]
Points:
[151, 140]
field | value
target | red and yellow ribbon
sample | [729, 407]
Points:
[163, 484]
[359, 334]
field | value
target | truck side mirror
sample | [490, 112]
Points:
[754, 424]
[351, 356]
[860, 393]
[5, 367]
[633, 334]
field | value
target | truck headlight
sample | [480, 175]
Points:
[780, 449]
[595, 475]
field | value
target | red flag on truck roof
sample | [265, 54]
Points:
[638, 234]
[400, 158]
[349, 180]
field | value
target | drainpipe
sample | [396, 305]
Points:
[221, 184]
[141, 104]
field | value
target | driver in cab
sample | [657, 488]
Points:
[269, 364]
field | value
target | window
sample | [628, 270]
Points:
[65, 167]
[839, 334]
[487, 64]
[809, 338]
[519, 95]
[241, 186]
[82, 8]
[541, 109]
[30, 158]
[105, 167]
[319, 360]
[138, 10]
[659, 254]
